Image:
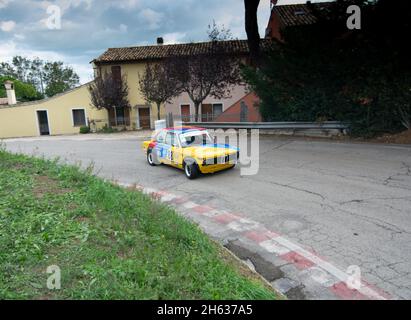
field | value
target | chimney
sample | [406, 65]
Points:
[11, 94]
[160, 40]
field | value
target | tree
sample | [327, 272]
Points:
[21, 66]
[157, 84]
[212, 73]
[49, 78]
[24, 91]
[108, 92]
[327, 72]
[7, 70]
[59, 78]
[36, 74]
[218, 33]
[251, 28]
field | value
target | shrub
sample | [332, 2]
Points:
[84, 129]
[107, 129]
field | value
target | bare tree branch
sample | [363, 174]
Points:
[210, 74]
[106, 92]
[157, 84]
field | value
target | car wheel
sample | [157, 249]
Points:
[150, 159]
[191, 170]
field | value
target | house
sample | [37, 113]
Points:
[293, 16]
[61, 114]
[65, 113]
[131, 62]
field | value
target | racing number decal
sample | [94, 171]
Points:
[166, 152]
[170, 154]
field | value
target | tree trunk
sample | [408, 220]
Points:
[158, 110]
[197, 108]
[251, 28]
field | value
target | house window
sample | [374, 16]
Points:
[120, 116]
[116, 72]
[217, 109]
[185, 112]
[171, 139]
[79, 117]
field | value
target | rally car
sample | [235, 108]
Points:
[191, 149]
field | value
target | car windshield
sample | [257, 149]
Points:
[195, 139]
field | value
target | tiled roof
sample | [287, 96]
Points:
[238, 47]
[300, 14]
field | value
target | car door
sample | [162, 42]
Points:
[161, 147]
[171, 149]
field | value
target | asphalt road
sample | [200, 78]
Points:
[349, 202]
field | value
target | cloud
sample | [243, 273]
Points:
[153, 18]
[10, 49]
[19, 36]
[66, 5]
[4, 3]
[127, 4]
[89, 27]
[174, 37]
[7, 26]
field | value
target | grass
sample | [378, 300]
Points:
[110, 243]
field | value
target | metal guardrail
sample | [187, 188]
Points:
[328, 125]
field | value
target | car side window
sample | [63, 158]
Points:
[160, 137]
[171, 139]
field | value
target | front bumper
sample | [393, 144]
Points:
[227, 159]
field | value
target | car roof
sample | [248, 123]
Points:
[183, 129]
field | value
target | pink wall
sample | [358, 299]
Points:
[232, 114]
[236, 94]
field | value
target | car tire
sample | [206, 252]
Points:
[191, 170]
[150, 159]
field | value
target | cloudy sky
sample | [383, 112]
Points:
[88, 27]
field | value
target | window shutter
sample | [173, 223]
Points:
[116, 71]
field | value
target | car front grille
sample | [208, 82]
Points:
[221, 160]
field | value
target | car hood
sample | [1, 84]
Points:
[211, 150]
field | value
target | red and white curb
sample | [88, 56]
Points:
[321, 271]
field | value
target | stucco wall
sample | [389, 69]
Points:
[236, 94]
[132, 71]
[21, 120]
